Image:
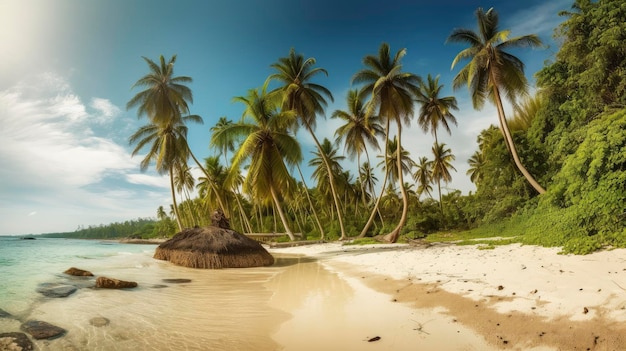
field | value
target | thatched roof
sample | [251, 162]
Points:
[213, 247]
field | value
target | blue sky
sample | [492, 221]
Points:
[68, 67]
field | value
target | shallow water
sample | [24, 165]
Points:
[297, 304]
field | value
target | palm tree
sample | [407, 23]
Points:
[161, 214]
[307, 100]
[491, 70]
[359, 130]
[391, 158]
[167, 148]
[166, 97]
[227, 145]
[269, 148]
[184, 183]
[423, 176]
[320, 171]
[477, 165]
[435, 110]
[442, 162]
[392, 93]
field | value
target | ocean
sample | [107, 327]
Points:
[209, 313]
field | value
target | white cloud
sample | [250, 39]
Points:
[56, 160]
[541, 19]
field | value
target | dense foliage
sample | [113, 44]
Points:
[138, 228]
[570, 136]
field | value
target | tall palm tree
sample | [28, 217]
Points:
[423, 176]
[269, 148]
[435, 110]
[393, 148]
[392, 93]
[492, 70]
[166, 97]
[184, 183]
[167, 148]
[359, 130]
[161, 214]
[442, 162]
[306, 99]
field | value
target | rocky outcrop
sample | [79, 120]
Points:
[77, 272]
[56, 289]
[42, 330]
[110, 283]
[15, 342]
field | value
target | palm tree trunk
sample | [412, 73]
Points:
[219, 198]
[395, 234]
[281, 214]
[331, 180]
[509, 142]
[370, 220]
[306, 191]
[377, 209]
[244, 218]
[175, 206]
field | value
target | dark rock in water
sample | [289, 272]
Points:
[5, 314]
[78, 272]
[99, 321]
[110, 283]
[42, 330]
[15, 342]
[56, 289]
[28, 238]
[159, 286]
[177, 281]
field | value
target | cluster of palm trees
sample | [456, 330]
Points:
[262, 155]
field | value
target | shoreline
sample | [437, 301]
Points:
[515, 297]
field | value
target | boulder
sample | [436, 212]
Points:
[5, 314]
[56, 289]
[77, 272]
[42, 330]
[110, 283]
[15, 342]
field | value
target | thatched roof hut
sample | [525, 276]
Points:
[213, 247]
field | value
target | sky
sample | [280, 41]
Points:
[68, 67]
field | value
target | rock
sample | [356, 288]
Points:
[56, 289]
[110, 283]
[177, 280]
[78, 272]
[5, 314]
[159, 286]
[15, 342]
[42, 330]
[99, 321]
[218, 219]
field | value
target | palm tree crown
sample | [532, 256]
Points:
[491, 70]
[435, 110]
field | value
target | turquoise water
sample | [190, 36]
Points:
[26, 263]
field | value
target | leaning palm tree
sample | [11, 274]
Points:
[306, 99]
[320, 172]
[227, 145]
[492, 70]
[435, 110]
[184, 183]
[442, 162]
[392, 92]
[268, 147]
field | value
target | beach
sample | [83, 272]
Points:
[510, 297]
[331, 296]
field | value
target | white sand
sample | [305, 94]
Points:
[563, 292]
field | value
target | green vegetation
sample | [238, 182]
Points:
[138, 228]
[552, 174]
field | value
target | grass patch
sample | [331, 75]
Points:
[362, 241]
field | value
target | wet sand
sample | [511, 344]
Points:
[513, 297]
